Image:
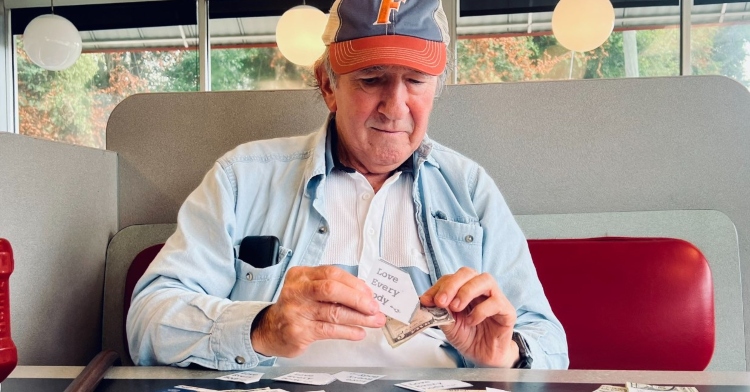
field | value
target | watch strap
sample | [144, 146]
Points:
[525, 360]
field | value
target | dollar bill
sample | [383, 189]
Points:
[611, 388]
[636, 387]
[397, 333]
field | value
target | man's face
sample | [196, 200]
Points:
[381, 115]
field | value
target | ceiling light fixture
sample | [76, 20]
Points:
[299, 34]
[52, 42]
[583, 25]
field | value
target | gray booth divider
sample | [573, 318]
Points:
[568, 147]
[58, 209]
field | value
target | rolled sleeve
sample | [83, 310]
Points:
[546, 343]
[231, 341]
[508, 259]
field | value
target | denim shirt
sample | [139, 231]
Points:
[197, 300]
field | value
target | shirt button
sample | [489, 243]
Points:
[249, 276]
[322, 229]
[240, 360]
[469, 238]
[371, 231]
[365, 196]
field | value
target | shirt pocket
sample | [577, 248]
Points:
[259, 284]
[460, 242]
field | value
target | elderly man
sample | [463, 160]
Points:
[368, 185]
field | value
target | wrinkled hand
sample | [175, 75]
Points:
[316, 303]
[484, 317]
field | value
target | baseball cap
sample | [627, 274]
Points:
[365, 33]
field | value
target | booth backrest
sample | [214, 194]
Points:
[630, 303]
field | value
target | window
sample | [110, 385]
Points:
[74, 105]
[244, 56]
[720, 40]
[518, 47]
[151, 46]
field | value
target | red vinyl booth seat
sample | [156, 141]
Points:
[137, 268]
[625, 303]
[629, 303]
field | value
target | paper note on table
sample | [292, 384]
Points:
[357, 378]
[467, 390]
[426, 385]
[307, 378]
[394, 290]
[246, 377]
[183, 388]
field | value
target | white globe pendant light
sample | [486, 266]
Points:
[299, 34]
[583, 25]
[52, 42]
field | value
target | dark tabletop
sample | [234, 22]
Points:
[145, 385]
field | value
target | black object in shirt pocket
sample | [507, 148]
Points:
[259, 251]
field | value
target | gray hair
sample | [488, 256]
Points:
[324, 64]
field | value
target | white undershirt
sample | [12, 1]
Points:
[364, 226]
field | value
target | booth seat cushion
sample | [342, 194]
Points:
[629, 303]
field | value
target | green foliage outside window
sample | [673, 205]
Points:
[73, 105]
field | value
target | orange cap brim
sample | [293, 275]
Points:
[420, 54]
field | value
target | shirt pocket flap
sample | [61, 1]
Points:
[466, 233]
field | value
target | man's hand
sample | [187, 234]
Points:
[316, 303]
[484, 317]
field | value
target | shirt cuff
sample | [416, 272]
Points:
[230, 340]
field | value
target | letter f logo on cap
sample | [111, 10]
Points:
[386, 6]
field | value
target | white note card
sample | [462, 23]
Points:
[394, 290]
[357, 378]
[458, 390]
[307, 378]
[182, 388]
[424, 385]
[246, 377]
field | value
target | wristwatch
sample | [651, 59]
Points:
[525, 360]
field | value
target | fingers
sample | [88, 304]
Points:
[497, 308]
[331, 291]
[315, 303]
[342, 315]
[444, 292]
[466, 287]
[329, 272]
[328, 284]
[282, 334]
[322, 330]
